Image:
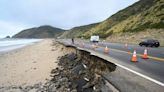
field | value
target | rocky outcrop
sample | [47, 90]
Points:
[81, 72]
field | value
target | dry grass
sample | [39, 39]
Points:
[135, 38]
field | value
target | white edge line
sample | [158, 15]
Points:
[137, 73]
[144, 76]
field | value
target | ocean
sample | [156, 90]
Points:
[11, 44]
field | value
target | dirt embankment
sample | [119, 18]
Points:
[137, 37]
[81, 74]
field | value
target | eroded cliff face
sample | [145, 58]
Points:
[81, 72]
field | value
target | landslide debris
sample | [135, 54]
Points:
[74, 75]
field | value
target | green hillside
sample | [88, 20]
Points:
[142, 20]
[40, 32]
[78, 31]
[143, 15]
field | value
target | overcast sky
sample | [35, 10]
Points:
[16, 15]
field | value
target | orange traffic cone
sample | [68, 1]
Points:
[145, 56]
[106, 50]
[134, 57]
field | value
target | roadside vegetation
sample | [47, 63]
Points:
[78, 31]
[143, 15]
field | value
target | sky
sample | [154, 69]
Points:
[16, 15]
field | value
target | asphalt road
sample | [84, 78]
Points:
[152, 67]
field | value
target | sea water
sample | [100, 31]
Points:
[11, 44]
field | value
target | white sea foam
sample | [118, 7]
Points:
[11, 44]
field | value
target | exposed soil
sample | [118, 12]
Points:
[136, 38]
[74, 76]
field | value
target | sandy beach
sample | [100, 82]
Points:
[29, 65]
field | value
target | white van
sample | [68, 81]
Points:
[94, 38]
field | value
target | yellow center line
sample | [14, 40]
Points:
[155, 58]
